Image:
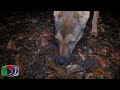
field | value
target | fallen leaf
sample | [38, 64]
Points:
[59, 72]
[103, 61]
[115, 54]
[44, 42]
[11, 45]
[51, 64]
[72, 68]
[103, 51]
[80, 75]
[51, 76]
[100, 74]
[90, 76]
[77, 76]
[81, 55]
[116, 61]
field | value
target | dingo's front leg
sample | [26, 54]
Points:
[95, 23]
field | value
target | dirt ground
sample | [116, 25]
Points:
[27, 40]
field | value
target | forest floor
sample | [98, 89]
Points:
[27, 39]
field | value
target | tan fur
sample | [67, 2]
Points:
[68, 23]
[63, 48]
[58, 13]
[69, 19]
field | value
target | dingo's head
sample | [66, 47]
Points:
[69, 27]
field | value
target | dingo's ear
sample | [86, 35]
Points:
[58, 13]
[85, 14]
[77, 14]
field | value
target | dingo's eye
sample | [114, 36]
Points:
[72, 42]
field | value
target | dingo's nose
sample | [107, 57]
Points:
[62, 60]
